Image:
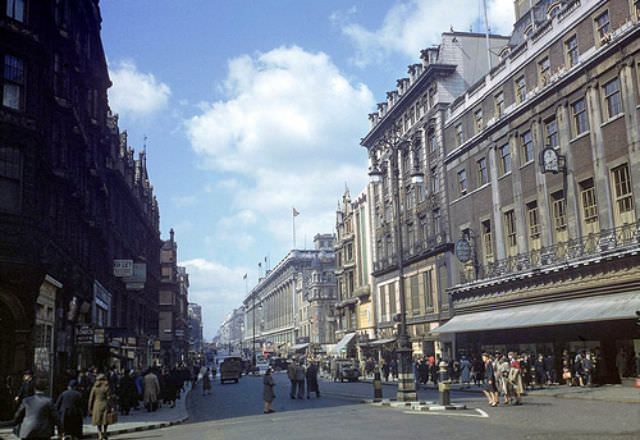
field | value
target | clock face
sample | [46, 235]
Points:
[550, 160]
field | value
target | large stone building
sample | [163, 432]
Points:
[542, 170]
[354, 311]
[292, 306]
[173, 306]
[412, 119]
[194, 314]
[232, 332]
[72, 199]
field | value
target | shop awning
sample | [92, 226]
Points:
[571, 311]
[342, 344]
[299, 347]
[379, 342]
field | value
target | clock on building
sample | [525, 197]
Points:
[550, 160]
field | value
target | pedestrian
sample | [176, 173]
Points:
[70, 412]
[36, 416]
[312, 380]
[99, 408]
[27, 388]
[393, 365]
[541, 374]
[291, 374]
[127, 393]
[300, 376]
[465, 371]
[621, 363]
[139, 381]
[490, 389]
[267, 392]
[502, 379]
[151, 391]
[206, 382]
[515, 381]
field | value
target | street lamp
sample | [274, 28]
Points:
[253, 312]
[396, 144]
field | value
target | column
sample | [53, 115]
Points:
[498, 235]
[518, 203]
[571, 196]
[546, 236]
[629, 90]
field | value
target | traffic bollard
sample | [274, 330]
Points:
[377, 385]
[444, 384]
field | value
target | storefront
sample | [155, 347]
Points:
[603, 324]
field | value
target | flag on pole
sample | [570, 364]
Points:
[260, 264]
[244, 277]
[295, 212]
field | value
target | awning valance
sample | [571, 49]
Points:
[299, 347]
[379, 342]
[570, 311]
[342, 344]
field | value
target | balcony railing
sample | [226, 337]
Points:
[414, 250]
[592, 246]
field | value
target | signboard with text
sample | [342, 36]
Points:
[138, 277]
[122, 268]
[84, 335]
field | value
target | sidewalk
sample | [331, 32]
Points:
[605, 393]
[139, 420]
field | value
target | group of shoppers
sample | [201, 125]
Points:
[96, 394]
[301, 373]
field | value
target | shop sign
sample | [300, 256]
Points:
[138, 277]
[84, 335]
[99, 336]
[122, 268]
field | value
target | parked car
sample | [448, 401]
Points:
[231, 369]
[348, 371]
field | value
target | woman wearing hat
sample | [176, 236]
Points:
[70, 412]
[99, 405]
[267, 394]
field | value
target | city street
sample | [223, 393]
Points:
[235, 412]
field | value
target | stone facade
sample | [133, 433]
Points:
[567, 83]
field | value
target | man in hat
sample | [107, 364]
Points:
[70, 410]
[27, 388]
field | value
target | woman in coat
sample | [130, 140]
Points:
[465, 371]
[267, 393]
[70, 412]
[127, 393]
[206, 382]
[151, 391]
[99, 405]
[312, 380]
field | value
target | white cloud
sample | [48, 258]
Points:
[135, 94]
[217, 288]
[288, 133]
[412, 25]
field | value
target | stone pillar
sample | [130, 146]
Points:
[600, 170]
[629, 91]
[571, 196]
[518, 202]
[498, 235]
[546, 236]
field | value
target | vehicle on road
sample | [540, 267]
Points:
[348, 371]
[231, 369]
[278, 363]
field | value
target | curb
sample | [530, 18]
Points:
[415, 406]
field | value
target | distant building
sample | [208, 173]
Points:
[195, 330]
[292, 306]
[232, 332]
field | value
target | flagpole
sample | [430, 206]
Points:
[294, 230]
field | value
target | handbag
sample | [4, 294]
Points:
[112, 417]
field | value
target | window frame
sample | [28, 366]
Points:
[521, 89]
[459, 134]
[483, 171]
[588, 201]
[609, 96]
[19, 84]
[11, 170]
[579, 115]
[462, 181]
[11, 5]
[478, 120]
[572, 56]
[549, 135]
[526, 148]
[504, 164]
[603, 30]
[544, 70]
[622, 199]
[510, 230]
[498, 103]
[559, 212]
[487, 241]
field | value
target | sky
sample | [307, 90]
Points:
[253, 107]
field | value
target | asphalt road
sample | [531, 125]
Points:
[234, 411]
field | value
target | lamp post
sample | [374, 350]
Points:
[253, 312]
[395, 145]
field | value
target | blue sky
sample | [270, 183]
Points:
[253, 107]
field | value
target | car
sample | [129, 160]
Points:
[348, 371]
[231, 369]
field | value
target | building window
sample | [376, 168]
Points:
[15, 10]
[579, 116]
[477, 119]
[612, 98]
[571, 46]
[428, 291]
[636, 8]
[623, 194]
[432, 96]
[544, 70]
[559, 211]
[487, 242]
[551, 132]
[533, 219]
[483, 172]
[383, 303]
[13, 87]
[589, 207]
[10, 179]
[459, 134]
[521, 89]
[431, 140]
[526, 148]
[510, 232]
[462, 182]
[603, 27]
[498, 100]
[435, 183]
[505, 159]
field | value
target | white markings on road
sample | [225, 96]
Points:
[460, 413]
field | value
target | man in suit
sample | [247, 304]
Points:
[291, 374]
[36, 414]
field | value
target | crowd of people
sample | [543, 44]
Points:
[96, 394]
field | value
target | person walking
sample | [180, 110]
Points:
[267, 392]
[291, 374]
[127, 393]
[300, 376]
[27, 388]
[99, 405]
[490, 389]
[36, 415]
[515, 381]
[151, 391]
[70, 412]
[312, 380]
[465, 372]
[206, 383]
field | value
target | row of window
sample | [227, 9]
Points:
[623, 214]
[419, 291]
